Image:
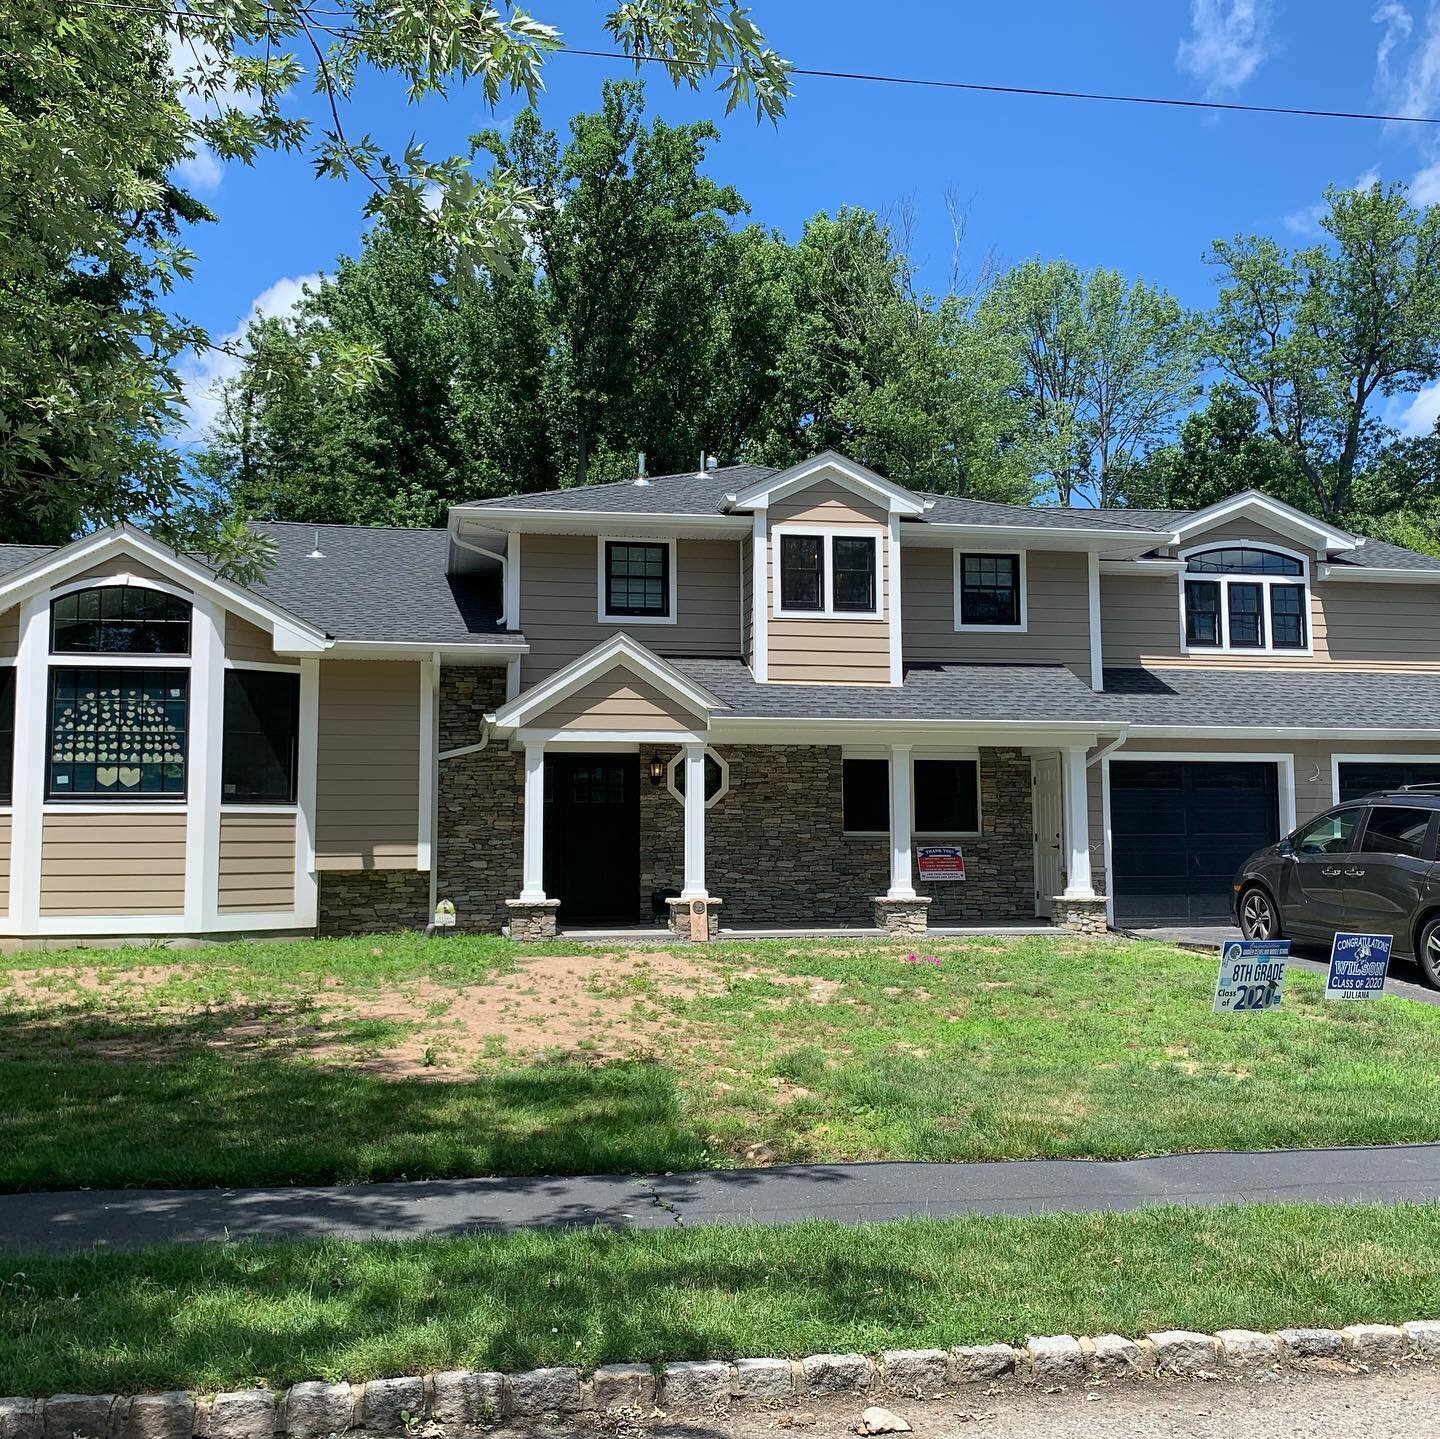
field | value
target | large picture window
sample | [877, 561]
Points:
[947, 796]
[261, 742]
[120, 619]
[637, 579]
[865, 796]
[1248, 599]
[117, 733]
[990, 592]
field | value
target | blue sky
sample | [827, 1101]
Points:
[1141, 189]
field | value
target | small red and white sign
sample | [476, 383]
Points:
[941, 862]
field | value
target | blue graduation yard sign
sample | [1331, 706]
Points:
[1252, 975]
[1358, 965]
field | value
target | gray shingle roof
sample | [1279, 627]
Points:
[1042, 693]
[1289, 698]
[380, 584]
[14, 557]
[953, 510]
[1378, 555]
[688, 494]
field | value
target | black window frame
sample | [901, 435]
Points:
[789, 604]
[1193, 614]
[7, 734]
[928, 791]
[124, 596]
[1221, 572]
[632, 611]
[1257, 615]
[239, 681]
[870, 574]
[971, 590]
[864, 784]
[119, 676]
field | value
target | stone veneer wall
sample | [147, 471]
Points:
[776, 854]
[372, 901]
[481, 803]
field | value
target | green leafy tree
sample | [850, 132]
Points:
[1318, 335]
[1107, 369]
[1221, 450]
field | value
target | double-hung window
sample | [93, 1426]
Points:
[637, 581]
[117, 727]
[989, 591]
[828, 573]
[1241, 598]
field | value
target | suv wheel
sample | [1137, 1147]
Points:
[1427, 951]
[1259, 919]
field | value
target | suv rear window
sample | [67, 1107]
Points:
[1396, 831]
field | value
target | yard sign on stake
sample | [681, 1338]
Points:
[1358, 965]
[945, 862]
[1252, 975]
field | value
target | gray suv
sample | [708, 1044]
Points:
[1368, 865]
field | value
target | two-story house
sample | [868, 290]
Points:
[742, 698]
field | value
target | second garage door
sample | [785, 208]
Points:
[1178, 832]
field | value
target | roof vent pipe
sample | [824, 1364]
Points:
[712, 462]
[641, 478]
[317, 553]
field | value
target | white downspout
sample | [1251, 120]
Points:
[502, 559]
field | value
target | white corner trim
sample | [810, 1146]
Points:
[28, 784]
[1097, 644]
[512, 581]
[957, 583]
[205, 738]
[759, 592]
[306, 766]
[672, 596]
[892, 581]
[429, 748]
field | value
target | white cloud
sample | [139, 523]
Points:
[1425, 187]
[1419, 416]
[1227, 44]
[196, 60]
[1413, 86]
[1398, 24]
[1306, 220]
[201, 171]
[202, 375]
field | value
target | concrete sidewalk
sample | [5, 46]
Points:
[847, 1193]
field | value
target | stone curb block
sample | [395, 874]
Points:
[316, 1410]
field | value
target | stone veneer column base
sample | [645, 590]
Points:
[902, 916]
[531, 919]
[680, 912]
[1079, 916]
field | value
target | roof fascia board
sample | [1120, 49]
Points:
[1273, 732]
[1379, 575]
[855, 478]
[588, 522]
[484, 653]
[621, 650]
[292, 635]
[1284, 517]
[1038, 537]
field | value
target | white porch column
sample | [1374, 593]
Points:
[1077, 824]
[902, 884]
[533, 890]
[694, 887]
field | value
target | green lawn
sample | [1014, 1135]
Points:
[228, 1316]
[369, 1059]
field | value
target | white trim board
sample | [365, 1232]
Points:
[603, 615]
[1338, 758]
[957, 584]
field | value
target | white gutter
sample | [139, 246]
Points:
[483, 652]
[1279, 732]
[1108, 750]
[1385, 576]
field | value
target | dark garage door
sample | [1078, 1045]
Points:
[1178, 832]
[1360, 777]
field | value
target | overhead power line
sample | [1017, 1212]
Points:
[311, 12]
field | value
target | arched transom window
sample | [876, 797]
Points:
[1245, 598]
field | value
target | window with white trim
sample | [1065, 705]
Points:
[1246, 599]
[990, 591]
[717, 777]
[828, 573]
[637, 579]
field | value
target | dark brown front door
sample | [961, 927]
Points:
[592, 837]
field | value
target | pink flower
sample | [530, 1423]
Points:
[930, 959]
[912, 958]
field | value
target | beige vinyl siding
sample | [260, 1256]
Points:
[122, 565]
[9, 632]
[826, 503]
[367, 800]
[4, 863]
[1353, 626]
[1057, 598]
[559, 602]
[830, 649]
[618, 701]
[257, 861]
[99, 864]
[245, 642]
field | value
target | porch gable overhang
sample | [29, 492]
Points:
[1276, 515]
[291, 634]
[526, 713]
